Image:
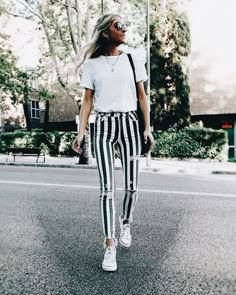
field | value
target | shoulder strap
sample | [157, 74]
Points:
[132, 66]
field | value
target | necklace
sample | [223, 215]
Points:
[112, 64]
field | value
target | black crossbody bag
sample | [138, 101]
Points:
[145, 145]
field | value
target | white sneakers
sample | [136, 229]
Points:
[109, 261]
[125, 236]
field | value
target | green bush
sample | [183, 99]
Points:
[201, 143]
[48, 141]
[7, 140]
[65, 144]
[53, 143]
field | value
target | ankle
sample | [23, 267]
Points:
[110, 242]
[125, 220]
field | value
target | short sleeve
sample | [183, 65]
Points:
[87, 80]
[140, 70]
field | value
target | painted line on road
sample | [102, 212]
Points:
[49, 184]
[120, 189]
[189, 193]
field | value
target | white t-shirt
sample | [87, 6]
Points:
[114, 91]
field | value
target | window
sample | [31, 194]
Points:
[34, 109]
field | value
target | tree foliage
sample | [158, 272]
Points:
[66, 26]
[170, 46]
[12, 80]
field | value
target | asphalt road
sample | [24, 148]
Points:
[184, 234]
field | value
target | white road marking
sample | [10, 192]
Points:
[49, 184]
[216, 177]
[223, 195]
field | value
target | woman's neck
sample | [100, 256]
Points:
[112, 51]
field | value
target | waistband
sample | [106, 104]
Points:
[115, 114]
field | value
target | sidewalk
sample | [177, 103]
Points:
[165, 166]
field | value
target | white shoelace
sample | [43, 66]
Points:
[110, 253]
[125, 231]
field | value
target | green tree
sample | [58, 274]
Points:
[13, 81]
[170, 46]
[67, 25]
[46, 96]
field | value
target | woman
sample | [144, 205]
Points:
[109, 87]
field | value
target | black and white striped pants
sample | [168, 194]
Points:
[117, 130]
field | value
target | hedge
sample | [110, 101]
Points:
[200, 143]
[52, 143]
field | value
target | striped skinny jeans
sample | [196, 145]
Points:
[117, 130]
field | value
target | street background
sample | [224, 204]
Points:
[192, 166]
[184, 235]
[184, 229]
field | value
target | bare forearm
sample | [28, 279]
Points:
[144, 105]
[84, 115]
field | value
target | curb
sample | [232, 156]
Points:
[74, 166]
[50, 165]
[174, 170]
[142, 169]
[77, 166]
[224, 172]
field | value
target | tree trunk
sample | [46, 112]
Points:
[78, 21]
[46, 117]
[71, 29]
[87, 21]
[27, 116]
[61, 35]
[51, 49]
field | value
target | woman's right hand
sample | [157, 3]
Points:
[77, 143]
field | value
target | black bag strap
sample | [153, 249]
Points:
[133, 68]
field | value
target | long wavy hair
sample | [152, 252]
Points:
[98, 43]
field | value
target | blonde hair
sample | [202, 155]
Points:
[97, 45]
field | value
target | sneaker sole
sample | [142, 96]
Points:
[124, 245]
[109, 268]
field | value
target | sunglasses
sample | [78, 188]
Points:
[120, 27]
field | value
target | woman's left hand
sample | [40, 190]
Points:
[148, 134]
